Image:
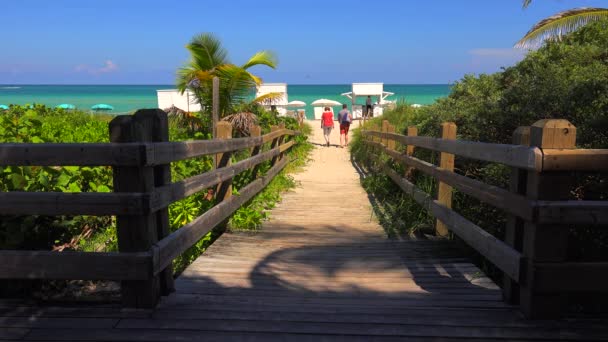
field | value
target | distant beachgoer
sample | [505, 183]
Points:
[368, 106]
[344, 118]
[327, 124]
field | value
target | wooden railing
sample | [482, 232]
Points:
[533, 255]
[139, 154]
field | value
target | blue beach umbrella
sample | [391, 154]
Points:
[66, 106]
[3, 107]
[102, 106]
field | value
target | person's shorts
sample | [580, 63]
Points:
[344, 128]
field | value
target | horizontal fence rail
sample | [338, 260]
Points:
[541, 158]
[140, 156]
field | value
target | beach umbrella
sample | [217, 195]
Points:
[3, 107]
[296, 103]
[66, 106]
[102, 106]
[325, 103]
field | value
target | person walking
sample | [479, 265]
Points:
[344, 118]
[369, 110]
[327, 123]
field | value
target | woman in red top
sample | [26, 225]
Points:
[327, 123]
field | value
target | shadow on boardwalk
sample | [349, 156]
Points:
[281, 289]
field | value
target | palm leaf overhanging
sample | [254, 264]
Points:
[208, 59]
[560, 24]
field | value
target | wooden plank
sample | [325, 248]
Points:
[446, 163]
[529, 158]
[571, 277]
[62, 203]
[163, 153]
[503, 256]
[176, 243]
[72, 154]
[498, 197]
[75, 265]
[575, 160]
[286, 146]
[571, 212]
[168, 194]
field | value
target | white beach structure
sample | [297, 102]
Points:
[280, 102]
[375, 90]
[172, 97]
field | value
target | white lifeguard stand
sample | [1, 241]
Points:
[280, 102]
[368, 89]
[172, 97]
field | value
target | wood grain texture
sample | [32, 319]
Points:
[321, 269]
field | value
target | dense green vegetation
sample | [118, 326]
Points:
[42, 124]
[567, 79]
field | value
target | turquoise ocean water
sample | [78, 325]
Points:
[127, 98]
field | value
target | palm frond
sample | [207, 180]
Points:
[242, 122]
[267, 98]
[267, 58]
[560, 24]
[207, 51]
[526, 3]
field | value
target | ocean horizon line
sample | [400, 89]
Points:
[166, 84]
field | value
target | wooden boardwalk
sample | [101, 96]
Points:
[321, 269]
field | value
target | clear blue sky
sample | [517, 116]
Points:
[317, 42]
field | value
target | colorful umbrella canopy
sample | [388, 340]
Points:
[66, 106]
[102, 106]
[3, 107]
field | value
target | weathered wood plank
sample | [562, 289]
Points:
[75, 265]
[62, 203]
[523, 157]
[498, 197]
[575, 160]
[500, 254]
[73, 154]
[571, 212]
[176, 243]
[165, 195]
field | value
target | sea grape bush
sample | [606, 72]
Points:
[565, 80]
[41, 124]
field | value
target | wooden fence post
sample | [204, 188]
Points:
[412, 131]
[545, 243]
[390, 143]
[446, 162]
[140, 233]
[255, 131]
[224, 189]
[281, 140]
[384, 130]
[215, 105]
[275, 142]
[515, 225]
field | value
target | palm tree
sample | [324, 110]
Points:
[559, 24]
[208, 59]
